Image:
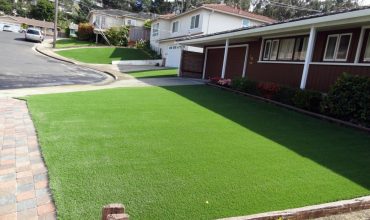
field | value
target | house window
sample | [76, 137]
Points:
[194, 22]
[102, 22]
[300, 48]
[286, 49]
[131, 22]
[274, 49]
[267, 50]
[245, 23]
[337, 47]
[175, 27]
[367, 50]
[155, 29]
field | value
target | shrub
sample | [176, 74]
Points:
[85, 31]
[349, 99]
[285, 95]
[308, 100]
[67, 31]
[245, 85]
[118, 36]
[268, 89]
[140, 44]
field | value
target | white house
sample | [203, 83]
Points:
[207, 19]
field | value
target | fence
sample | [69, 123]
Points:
[137, 33]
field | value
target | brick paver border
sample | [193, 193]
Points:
[24, 190]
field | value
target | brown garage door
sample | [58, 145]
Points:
[215, 58]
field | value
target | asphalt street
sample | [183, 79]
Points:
[22, 67]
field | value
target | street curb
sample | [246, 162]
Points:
[50, 54]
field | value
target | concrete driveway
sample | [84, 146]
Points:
[22, 67]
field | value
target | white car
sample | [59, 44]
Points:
[34, 35]
[7, 28]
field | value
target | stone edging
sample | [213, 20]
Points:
[314, 211]
[51, 55]
[312, 114]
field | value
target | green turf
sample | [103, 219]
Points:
[72, 42]
[105, 55]
[192, 152]
[154, 73]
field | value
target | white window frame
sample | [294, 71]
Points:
[277, 51]
[178, 26]
[367, 47]
[248, 25]
[155, 30]
[195, 19]
[337, 47]
[264, 50]
[131, 22]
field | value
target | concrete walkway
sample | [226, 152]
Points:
[24, 191]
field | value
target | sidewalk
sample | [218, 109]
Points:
[24, 190]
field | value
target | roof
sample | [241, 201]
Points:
[236, 11]
[122, 13]
[223, 8]
[32, 22]
[308, 20]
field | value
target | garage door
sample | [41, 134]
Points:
[173, 56]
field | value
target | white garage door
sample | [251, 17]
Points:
[173, 56]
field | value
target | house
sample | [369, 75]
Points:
[73, 28]
[16, 23]
[206, 19]
[105, 19]
[307, 53]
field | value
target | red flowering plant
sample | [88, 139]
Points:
[224, 82]
[268, 89]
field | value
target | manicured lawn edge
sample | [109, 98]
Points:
[312, 114]
[314, 211]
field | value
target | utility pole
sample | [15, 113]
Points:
[55, 23]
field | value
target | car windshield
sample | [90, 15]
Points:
[35, 32]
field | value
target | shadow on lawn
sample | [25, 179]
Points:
[342, 150]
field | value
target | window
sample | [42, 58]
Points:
[267, 49]
[300, 48]
[175, 27]
[367, 50]
[337, 47]
[245, 23]
[102, 22]
[155, 30]
[131, 22]
[286, 49]
[274, 49]
[194, 21]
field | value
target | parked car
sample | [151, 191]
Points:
[7, 28]
[33, 34]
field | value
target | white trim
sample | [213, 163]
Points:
[280, 62]
[264, 50]
[231, 46]
[225, 58]
[261, 50]
[285, 35]
[340, 64]
[205, 64]
[191, 18]
[308, 58]
[178, 27]
[366, 59]
[245, 61]
[359, 45]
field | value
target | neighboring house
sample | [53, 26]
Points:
[15, 24]
[207, 19]
[307, 53]
[105, 19]
[73, 28]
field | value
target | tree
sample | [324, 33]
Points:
[84, 7]
[43, 10]
[6, 6]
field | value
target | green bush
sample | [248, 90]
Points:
[67, 31]
[349, 99]
[308, 100]
[285, 95]
[118, 36]
[85, 31]
[245, 85]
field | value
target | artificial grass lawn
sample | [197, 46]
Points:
[105, 55]
[192, 152]
[72, 42]
[154, 73]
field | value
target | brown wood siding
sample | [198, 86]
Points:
[321, 77]
[235, 62]
[321, 39]
[191, 64]
[285, 74]
[214, 62]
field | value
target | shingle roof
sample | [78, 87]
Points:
[280, 22]
[236, 11]
[116, 12]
